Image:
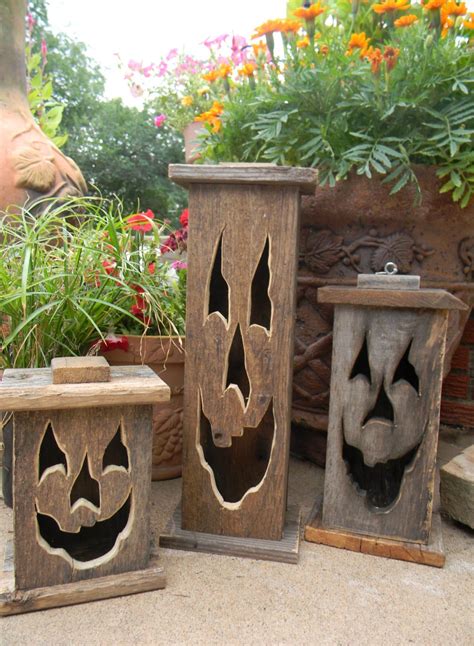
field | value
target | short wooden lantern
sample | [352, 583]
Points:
[242, 259]
[82, 435]
[387, 366]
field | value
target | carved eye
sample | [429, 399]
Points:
[116, 452]
[218, 287]
[406, 371]
[261, 305]
[361, 365]
[50, 453]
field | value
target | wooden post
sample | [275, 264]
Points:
[81, 481]
[389, 345]
[242, 259]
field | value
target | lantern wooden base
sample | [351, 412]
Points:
[430, 554]
[284, 551]
[14, 602]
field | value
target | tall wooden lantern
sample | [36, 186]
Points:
[389, 345]
[81, 482]
[242, 258]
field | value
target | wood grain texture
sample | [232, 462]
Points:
[32, 389]
[430, 554]
[17, 602]
[304, 179]
[416, 299]
[237, 370]
[78, 370]
[61, 460]
[285, 550]
[394, 443]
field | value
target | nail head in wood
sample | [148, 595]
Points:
[80, 370]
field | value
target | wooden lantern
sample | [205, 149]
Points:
[82, 436]
[387, 367]
[242, 259]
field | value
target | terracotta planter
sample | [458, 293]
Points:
[31, 166]
[166, 357]
[191, 140]
[357, 227]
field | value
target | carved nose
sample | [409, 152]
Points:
[85, 486]
[383, 409]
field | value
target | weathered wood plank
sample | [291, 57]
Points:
[430, 554]
[77, 370]
[21, 601]
[241, 294]
[415, 299]
[304, 179]
[32, 389]
[285, 550]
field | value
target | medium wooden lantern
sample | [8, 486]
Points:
[82, 435]
[242, 259]
[387, 367]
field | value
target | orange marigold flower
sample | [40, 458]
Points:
[212, 116]
[469, 22]
[389, 6]
[324, 50]
[289, 26]
[211, 76]
[447, 24]
[224, 70]
[390, 56]
[450, 8]
[311, 12]
[358, 41]
[432, 5]
[187, 101]
[304, 42]
[374, 55]
[259, 48]
[247, 69]
[267, 27]
[406, 20]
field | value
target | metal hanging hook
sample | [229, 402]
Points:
[390, 269]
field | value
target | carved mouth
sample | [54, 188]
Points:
[88, 543]
[381, 483]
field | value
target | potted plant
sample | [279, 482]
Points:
[153, 341]
[79, 272]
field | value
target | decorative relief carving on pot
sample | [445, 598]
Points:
[323, 249]
[466, 254]
[167, 434]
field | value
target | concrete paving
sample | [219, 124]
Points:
[331, 597]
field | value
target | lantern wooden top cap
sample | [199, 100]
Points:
[436, 299]
[33, 389]
[247, 174]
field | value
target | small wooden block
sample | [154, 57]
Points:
[435, 299]
[431, 554]
[284, 551]
[457, 487]
[80, 370]
[14, 602]
[383, 281]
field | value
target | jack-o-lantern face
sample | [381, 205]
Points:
[84, 493]
[237, 426]
[385, 411]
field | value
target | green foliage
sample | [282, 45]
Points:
[334, 109]
[120, 152]
[75, 273]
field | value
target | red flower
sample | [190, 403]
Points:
[141, 221]
[169, 244]
[109, 266]
[151, 268]
[183, 218]
[112, 342]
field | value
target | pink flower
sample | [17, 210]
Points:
[179, 264]
[171, 54]
[44, 49]
[134, 65]
[216, 41]
[159, 120]
[31, 21]
[146, 71]
[162, 69]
